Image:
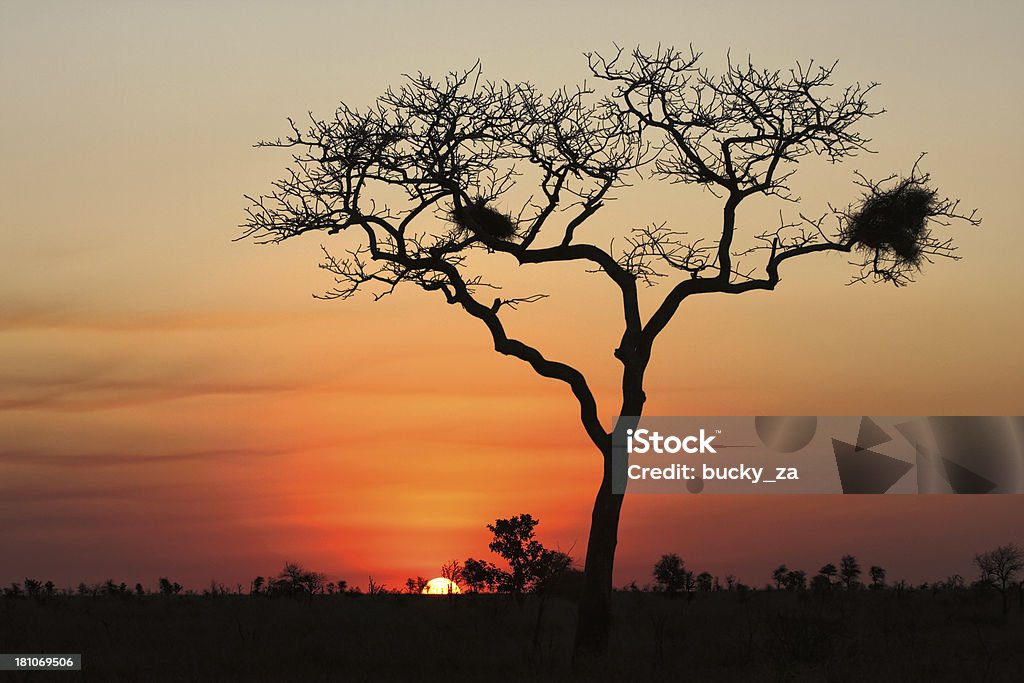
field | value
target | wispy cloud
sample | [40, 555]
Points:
[140, 458]
[63, 317]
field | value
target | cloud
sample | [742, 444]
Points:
[99, 459]
[94, 389]
[58, 317]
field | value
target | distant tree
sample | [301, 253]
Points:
[849, 571]
[480, 575]
[168, 588]
[877, 577]
[704, 582]
[452, 571]
[514, 541]
[1000, 566]
[256, 587]
[779, 576]
[825, 578]
[671, 575]
[795, 580]
[410, 586]
[296, 581]
[374, 588]
[552, 569]
[139, 590]
[955, 582]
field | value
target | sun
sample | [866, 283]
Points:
[441, 586]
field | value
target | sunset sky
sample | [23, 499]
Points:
[173, 403]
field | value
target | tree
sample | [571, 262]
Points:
[452, 571]
[671, 575]
[1000, 566]
[417, 187]
[825, 578]
[169, 588]
[553, 567]
[795, 580]
[704, 582]
[849, 571]
[877, 575]
[514, 541]
[480, 575]
[296, 581]
[779, 576]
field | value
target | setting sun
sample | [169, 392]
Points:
[441, 586]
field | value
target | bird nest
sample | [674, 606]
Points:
[477, 217]
[894, 222]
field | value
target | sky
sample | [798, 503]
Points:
[176, 403]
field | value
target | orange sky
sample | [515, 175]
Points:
[172, 403]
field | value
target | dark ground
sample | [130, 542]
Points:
[765, 636]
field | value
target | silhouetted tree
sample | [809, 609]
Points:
[296, 581]
[704, 582]
[849, 571]
[463, 150]
[256, 587]
[877, 575]
[779, 576]
[1000, 566]
[514, 541]
[795, 580]
[480, 575]
[671, 575]
[825, 577]
[374, 588]
[552, 569]
[452, 571]
[168, 588]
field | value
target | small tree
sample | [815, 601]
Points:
[704, 582]
[779, 576]
[452, 571]
[795, 580]
[849, 572]
[296, 581]
[480, 575]
[169, 588]
[825, 578]
[877, 577]
[671, 575]
[1000, 566]
[514, 541]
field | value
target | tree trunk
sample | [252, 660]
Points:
[594, 617]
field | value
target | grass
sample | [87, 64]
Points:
[765, 636]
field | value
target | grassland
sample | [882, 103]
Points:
[723, 636]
